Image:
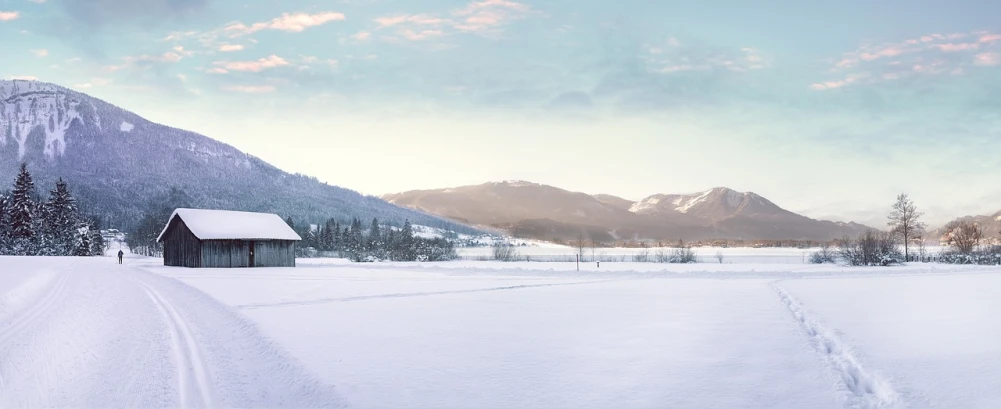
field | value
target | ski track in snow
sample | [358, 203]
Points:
[86, 334]
[864, 389]
[12, 330]
[406, 295]
[190, 365]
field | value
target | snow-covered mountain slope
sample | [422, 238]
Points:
[715, 204]
[116, 162]
[544, 212]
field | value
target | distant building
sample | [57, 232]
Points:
[222, 238]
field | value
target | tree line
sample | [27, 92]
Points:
[373, 243]
[33, 226]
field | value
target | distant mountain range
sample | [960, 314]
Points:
[531, 210]
[991, 225]
[116, 162]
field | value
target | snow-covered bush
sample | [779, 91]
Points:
[826, 255]
[872, 248]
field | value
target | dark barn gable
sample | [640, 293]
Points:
[223, 239]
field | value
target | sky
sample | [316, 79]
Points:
[829, 109]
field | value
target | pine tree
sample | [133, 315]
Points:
[97, 244]
[83, 242]
[4, 225]
[374, 236]
[405, 243]
[60, 220]
[22, 215]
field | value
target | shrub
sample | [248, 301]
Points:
[872, 248]
[826, 255]
[505, 252]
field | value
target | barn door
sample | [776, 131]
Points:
[251, 263]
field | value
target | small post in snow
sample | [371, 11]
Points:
[578, 261]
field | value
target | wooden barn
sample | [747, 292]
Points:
[222, 238]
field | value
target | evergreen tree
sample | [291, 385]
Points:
[4, 225]
[328, 235]
[405, 243]
[21, 216]
[97, 243]
[374, 236]
[61, 220]
[289, 222]
[83, 244]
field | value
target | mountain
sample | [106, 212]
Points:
[991, 226]
[116, 163]
[532, 210]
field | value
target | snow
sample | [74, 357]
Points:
[227, 225]
[48, 107]
[85, 332]
[91, 333]
[693, 201]
[126, 127]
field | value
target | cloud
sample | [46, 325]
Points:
[422, 35]
[417, 19]
[40, 52]
[932, 54]
[251, 89]
[679, 58]
[294, 22]
[988, 59]
[483, 17]
[361, 36]
[272, 61]
[229, 47]
[9, 15]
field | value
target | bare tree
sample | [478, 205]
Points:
[719, 256]
[905, 221]
[922, 247]
[964, 235]
[580, 245]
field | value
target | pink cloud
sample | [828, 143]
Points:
[851, 79]
[291, 22]
[226, 48]
[262, 64]
[886, 52]
[422, 35]
[251, 89]
[988, 59]
[418, 19]
[953, 47]
[361, 35]
[990, 38]
[9, 15]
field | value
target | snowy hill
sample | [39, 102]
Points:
[538, 211]
[116, 162]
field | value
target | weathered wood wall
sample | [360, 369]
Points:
[236, 253]
[180, 247]
[274, 253]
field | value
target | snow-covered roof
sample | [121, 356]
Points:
[230, 225]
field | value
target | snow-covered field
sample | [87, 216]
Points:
[91, 333]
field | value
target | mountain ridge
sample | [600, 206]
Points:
[528, 208]
[116, 162]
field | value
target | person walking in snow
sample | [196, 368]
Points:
[120, 255]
